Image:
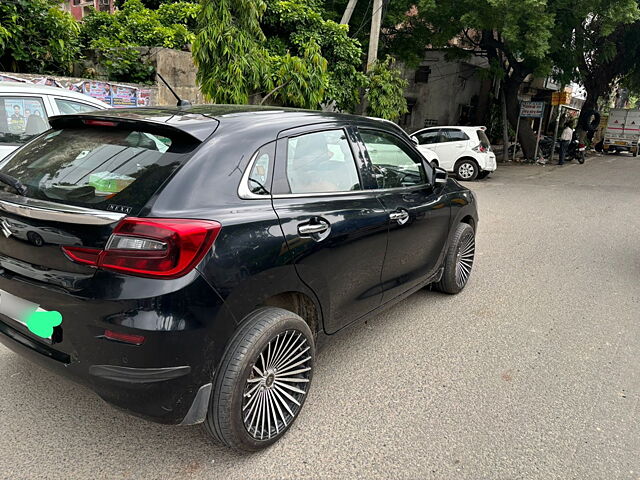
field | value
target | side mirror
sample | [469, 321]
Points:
[440, 176]
[414, 139]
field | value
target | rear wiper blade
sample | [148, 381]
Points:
[13, 182]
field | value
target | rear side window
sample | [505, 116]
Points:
[21, 119]
[454, 135]
[258, 181]
[484, 140]
[108, 169]
[321, 162]
[69, 107]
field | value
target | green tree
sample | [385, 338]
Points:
[37, 36]
[596, 44]
[228, 50]
[385, 91]
[514, 36]
[287, 52]
[115, 38]
[290, 25]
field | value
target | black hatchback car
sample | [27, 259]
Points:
[182, 262]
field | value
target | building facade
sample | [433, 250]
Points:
[80, 8]
[442, 92]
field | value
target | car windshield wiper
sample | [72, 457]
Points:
[13, 182]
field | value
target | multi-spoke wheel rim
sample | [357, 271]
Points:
[464, 262]
[466, 170]
[275, 389]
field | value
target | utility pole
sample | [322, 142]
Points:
[348, 12]
[376, 21]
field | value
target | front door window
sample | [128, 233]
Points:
[394, 164]
[321, 162]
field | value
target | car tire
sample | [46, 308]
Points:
[466, 169]
[263, 380]
[458, 261]
[483, 174]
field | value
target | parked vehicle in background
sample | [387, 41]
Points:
[623, 131]
[25, 109]
[465, 151]
[189, 283]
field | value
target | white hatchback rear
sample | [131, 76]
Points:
[465, 151]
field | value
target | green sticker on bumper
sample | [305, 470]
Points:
[42, 323]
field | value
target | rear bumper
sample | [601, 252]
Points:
[490, 164]
[159, 380]
[163, 398]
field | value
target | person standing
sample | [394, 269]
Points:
[565, 139]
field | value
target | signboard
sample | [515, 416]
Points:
[560, 98]
[124, 96]
[532, 109]
[114, 95]
[18, 111]
[117, 96]
[99, 90]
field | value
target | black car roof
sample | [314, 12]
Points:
[200, 121]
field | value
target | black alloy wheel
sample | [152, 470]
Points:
[458, 261]
[263, 380]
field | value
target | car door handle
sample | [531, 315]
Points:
[307, 229]
[400, 216]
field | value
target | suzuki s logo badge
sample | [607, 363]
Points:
[4, 226]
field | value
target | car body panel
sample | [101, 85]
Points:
[258, 255]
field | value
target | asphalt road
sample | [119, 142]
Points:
[531, 372]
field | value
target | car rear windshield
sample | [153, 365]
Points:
[484, 140]
[107, 169]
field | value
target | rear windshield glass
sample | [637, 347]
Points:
[107, 169]
[484, 140]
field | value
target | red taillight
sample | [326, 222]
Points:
[581, 145]
[151, 247]
[100, 123]
[124, 337]
[88, 256]
[480, 148]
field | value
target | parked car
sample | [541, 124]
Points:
[206, 273]
[465, 151]
[25, 109]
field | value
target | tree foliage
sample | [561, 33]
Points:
[36, 35]
[385, 93]
[115, 37]
[286, 51]
[290, 25]
[596, 44]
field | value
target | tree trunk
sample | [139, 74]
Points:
[505, 125]
[591, 103]
[525, 133]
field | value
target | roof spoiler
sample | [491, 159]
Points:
[198, 132]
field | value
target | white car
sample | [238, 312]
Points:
[25, 109]
[465, 151]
